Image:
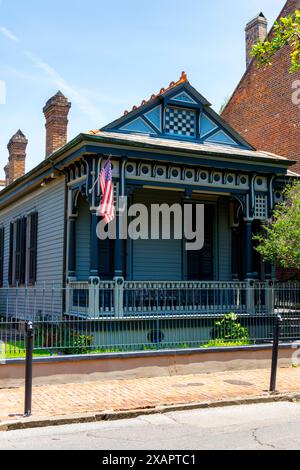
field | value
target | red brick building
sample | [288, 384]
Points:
[265, 106]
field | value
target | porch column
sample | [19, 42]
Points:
[235, 253]
[119, 243]
[249, 249]
[72, 246]
[94, 253]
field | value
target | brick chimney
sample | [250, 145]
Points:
[56, 113]
[17, 155]
[256, 30]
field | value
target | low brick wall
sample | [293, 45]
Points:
[66, 369]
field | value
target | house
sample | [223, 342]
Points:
[264, 107]
[172, 148]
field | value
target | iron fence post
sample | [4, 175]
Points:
[28, 369]
[276, 334]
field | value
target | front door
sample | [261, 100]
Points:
[200, 263]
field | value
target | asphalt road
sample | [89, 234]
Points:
[267, 426]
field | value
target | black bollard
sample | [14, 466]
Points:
[28, 369]
[276, 334]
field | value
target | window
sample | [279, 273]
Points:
[180, 122]
[261, 206]
[1, 254]
[23, 250]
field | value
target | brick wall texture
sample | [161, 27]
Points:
[261, 108]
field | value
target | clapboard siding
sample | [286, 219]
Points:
[224, 241]
[49, 202]
[157, 259]
[83, 227]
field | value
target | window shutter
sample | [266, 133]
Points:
[33, 247]
[23, 226]
[11, 253]
[1, 254]
[18, 251]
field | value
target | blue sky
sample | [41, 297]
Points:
[108, 56]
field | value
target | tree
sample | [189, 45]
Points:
[223, 106]
[286, 32]
[280, 240]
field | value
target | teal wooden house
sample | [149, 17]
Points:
[173, 148]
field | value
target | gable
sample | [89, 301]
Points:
[179, 112]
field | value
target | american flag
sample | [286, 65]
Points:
[107, 208]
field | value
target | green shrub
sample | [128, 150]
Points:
[81, 344]
[229, 329]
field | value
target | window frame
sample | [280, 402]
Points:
[23, 250]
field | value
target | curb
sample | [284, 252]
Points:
[130, 414]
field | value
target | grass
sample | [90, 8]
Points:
[218, 343]
[17, 350]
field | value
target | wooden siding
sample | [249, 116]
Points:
[83, 237]
[47, 298]
[157, 259]
[49, 202]
[224, 241]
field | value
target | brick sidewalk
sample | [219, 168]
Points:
[121, 395]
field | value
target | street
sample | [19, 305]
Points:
[262, 427]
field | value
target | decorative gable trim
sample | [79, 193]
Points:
[184, 97]
[221, 137]
[138, 125]
[206, 125]
[150, 117]
[155, 117]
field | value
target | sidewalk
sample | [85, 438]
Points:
[54, 401]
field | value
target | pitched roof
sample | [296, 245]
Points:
[183, 79]
[172, 144]
[156, 98]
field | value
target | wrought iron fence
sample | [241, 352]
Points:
[116, 316]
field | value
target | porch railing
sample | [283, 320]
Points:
[184, 297]
[120, 298]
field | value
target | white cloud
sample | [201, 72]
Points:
[72, 93]
[8, 34]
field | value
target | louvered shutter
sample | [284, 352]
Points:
[1, 254]
[200, 263]
[17, 250]
[33, 247]
[23, 228]
[11, 252]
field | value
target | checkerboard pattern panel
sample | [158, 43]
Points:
[180, 122]
[261, 206]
